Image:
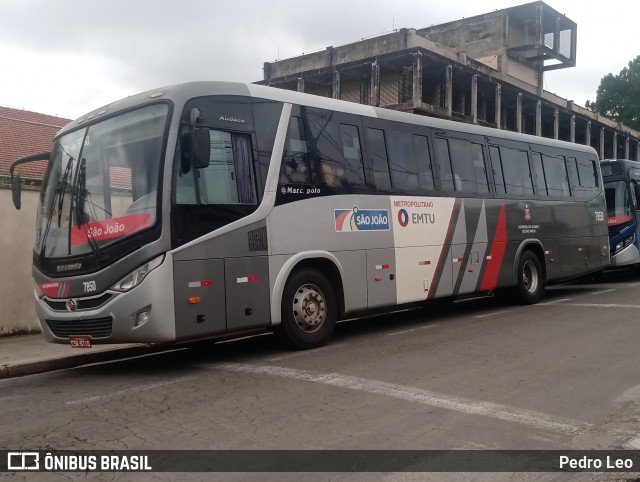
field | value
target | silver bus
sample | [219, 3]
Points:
[213, 209]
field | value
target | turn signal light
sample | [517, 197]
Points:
[194, 300]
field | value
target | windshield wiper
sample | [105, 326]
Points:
[60, 190]
[77, 208]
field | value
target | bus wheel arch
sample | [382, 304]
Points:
[310, 304]
[530, 273]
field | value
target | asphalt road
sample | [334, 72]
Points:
[481, 374]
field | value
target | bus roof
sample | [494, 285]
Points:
[180, 93]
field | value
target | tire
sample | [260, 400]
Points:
[530, 287]
[309, 310]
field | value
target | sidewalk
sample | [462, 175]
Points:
[29, 354]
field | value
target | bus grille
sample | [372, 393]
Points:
[96, 328]
[83, 303]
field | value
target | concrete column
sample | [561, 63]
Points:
[601, 147]
[498, 105]
[417, 80]
[556, 123]
[375, 84]
[572, 129]
[474, 99]
[626, 147]
[448, 99]
[587, 134]
[519, 113]
[300, 84]
[538, 118]
[335, 90]
[615, 145]
[365, 89]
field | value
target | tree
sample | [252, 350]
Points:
[618, 96]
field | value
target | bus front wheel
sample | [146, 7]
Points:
[530, 285]
[309, 310]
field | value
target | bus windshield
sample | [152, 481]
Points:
[618, 202]
[101, 184]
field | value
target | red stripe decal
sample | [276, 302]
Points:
[110, 228]
[441, 261]
[490, 279]
[50, 289]
[340, 220]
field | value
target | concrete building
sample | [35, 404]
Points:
[486, 70]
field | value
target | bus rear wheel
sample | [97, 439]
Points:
[309, 310]
[530, 287]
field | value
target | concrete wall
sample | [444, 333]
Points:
[479, 36]
[17, 312]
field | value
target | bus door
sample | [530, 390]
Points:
[634, 185]
[216, 276]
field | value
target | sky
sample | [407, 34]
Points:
[68, 57]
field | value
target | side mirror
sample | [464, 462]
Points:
[16, 182]
[201, 147]
[16, 190]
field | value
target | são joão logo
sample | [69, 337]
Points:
[356, 219]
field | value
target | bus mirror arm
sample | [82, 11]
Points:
[16, 181]
[200, 141]
[201, 147]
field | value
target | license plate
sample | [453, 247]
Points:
[83, 341]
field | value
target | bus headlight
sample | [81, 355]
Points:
[134, 278]
[623, 244]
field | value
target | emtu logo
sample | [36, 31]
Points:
[403, 218]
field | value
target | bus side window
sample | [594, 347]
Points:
[573, 173]
[295, 164]
[555, 171]
[352, 155]
[588, 173]
[378, 155]
[443, 163]
[634, 193]
[538, 174]
[634, 177]
[402, 161]
[423, 160]
[517, 173]
[326, 143]
[467, 160]
[496, 166]
[266, 116]
[228, 179]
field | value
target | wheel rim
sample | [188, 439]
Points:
[309, 308]
[530, 276]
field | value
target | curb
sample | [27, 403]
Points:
[32, 367]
